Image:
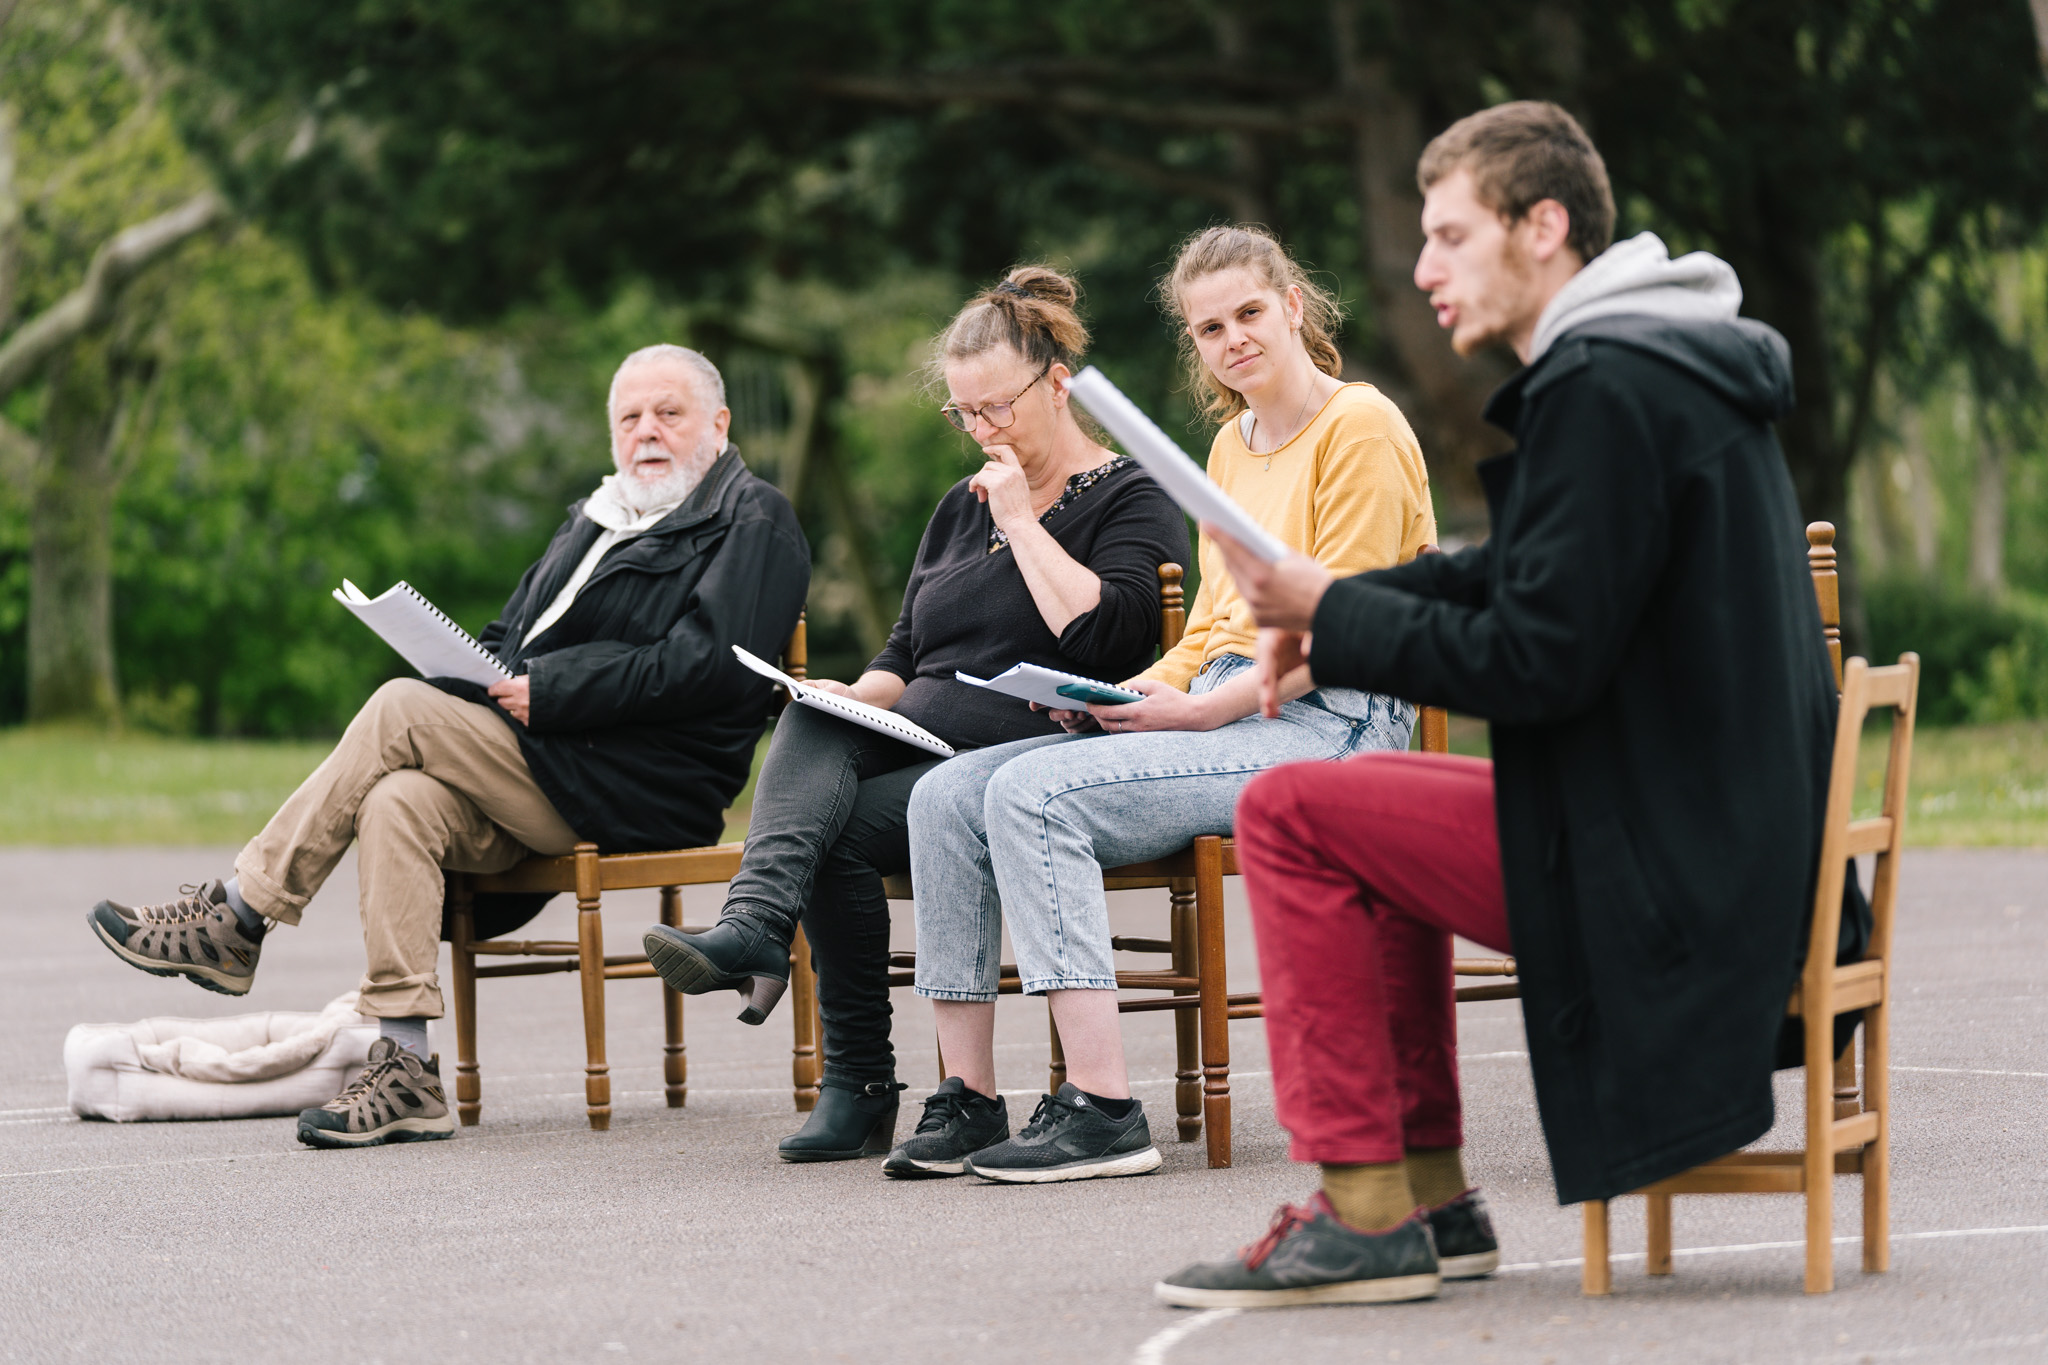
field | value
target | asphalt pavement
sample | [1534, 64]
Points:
[678, 1235]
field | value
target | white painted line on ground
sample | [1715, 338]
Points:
[1970, 1071]
[12, 1113]
[1577, 1261]
[1154, 1348]
[253, 1156]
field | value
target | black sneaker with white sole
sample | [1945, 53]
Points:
[1466, 1248]
[1069, 1138]
[1307, 1257]
[957, 1123]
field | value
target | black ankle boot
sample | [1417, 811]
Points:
[846, 1124]
[737, 953]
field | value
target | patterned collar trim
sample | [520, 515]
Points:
[1076, 486]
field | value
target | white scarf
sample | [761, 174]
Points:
[621, 522]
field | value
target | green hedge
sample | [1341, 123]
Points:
[1981, 659]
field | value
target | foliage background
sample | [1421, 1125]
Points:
[383, 377]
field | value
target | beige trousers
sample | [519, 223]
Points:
[421, 781]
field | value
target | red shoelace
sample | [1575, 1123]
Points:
[1289, 1217]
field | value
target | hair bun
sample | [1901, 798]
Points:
[1042, 283]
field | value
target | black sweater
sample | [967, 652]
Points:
[967, 609]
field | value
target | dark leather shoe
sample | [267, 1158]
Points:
[846, 1125]
[736, 953]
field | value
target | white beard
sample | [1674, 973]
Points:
[684, 474]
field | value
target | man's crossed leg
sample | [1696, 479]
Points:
[421, 781]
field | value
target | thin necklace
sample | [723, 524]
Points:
[1297, 423]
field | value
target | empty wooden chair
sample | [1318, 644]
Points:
[588, 873]
[1844, 1136]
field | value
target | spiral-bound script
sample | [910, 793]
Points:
[423, 634]
[846, 708]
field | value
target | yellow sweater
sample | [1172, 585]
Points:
[1350, 491]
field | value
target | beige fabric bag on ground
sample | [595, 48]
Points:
[244, 1066]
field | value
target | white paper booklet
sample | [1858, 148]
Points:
[1051, 688]
[1181, 477]
[416, 628]
[846, 708]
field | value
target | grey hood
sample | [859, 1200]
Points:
[1682, 311]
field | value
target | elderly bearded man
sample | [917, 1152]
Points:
[628, 723]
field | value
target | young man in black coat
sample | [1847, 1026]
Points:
[627, 722]
[1640, 630]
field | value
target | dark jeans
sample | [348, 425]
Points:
[830, 820]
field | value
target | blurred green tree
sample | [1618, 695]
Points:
[459, 154]
[89, 349]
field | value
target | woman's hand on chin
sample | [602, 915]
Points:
[1002, 485]
[1165, 707]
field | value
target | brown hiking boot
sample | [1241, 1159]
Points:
[196, 935]
[398, 1098]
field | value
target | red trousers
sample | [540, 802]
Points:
[1359, 873]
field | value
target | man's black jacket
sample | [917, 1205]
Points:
[643, 724]
[1640, 630]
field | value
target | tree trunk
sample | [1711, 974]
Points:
[1443, 393]
[70, 614]
[1987, 515]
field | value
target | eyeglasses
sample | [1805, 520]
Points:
[997, 415]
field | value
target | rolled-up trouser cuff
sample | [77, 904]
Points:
[965, 997]
[1040, 985]
[409, 997]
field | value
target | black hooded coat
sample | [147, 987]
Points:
[1641, 632]
[643, 723]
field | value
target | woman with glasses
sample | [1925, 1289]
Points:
[1049, 554]
[1020, 833]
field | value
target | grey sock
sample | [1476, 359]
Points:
[409, 1033]
[252, 923]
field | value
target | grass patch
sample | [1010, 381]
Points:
[62, 786]
[69, 787]
[1982, 785]
[1972, 785]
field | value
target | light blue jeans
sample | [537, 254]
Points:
[1030, 825]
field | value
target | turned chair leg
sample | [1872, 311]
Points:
[1215, 1010]
[462, 951]
[675, 1062]
[1187, 1024]
[1597, 1279]
[805, 1068]
[597, 1077]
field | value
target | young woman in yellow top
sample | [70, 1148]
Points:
[1021, 831]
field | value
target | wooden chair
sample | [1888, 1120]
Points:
[1848, 1129]
[1195, 981]
[588, 873]
[1857, 1142]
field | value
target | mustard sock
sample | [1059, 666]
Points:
[1436, 1174]
[1371, 1198]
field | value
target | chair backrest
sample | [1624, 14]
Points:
[1827, 589]
[1864, 689]
[1173, 612]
